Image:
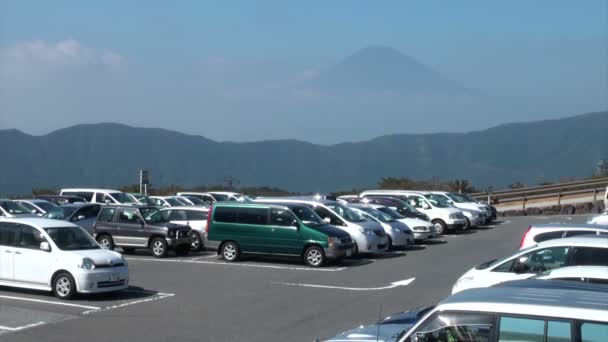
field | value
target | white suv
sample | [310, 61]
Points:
[442, 215]
[544, 232]
[57, 256]
[104, 196]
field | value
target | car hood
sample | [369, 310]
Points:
[413, 222]
[369, 225]
[398, 225]
[331, 231]
[99, 256]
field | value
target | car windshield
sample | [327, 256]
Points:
[308, 216]
[71, 238]
[122, 197]
[437, 201]
[346, 213]
[468, 198]
[14, 208]
[220, 197]
[46, 206]
[145, 212]
[173, 202]
[160, 216]
[380, 216]
[196, 201]
[457, 198]
[391, 212]
[60, 212]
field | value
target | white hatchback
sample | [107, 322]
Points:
[58, 256]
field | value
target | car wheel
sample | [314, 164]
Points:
[159, 247]
[106, 242]
[64, 286]
[197, 242]
[467, 225]
[390, 243]
[231, 251]
[440, 226]
[314, 256]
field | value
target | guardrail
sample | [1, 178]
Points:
[555, 193]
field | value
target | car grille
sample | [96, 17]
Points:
[346, 240]
[120, 264]
[420, 229]
[103, 284]
[379, 233]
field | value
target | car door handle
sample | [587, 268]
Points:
[8, 251]
[17, 252]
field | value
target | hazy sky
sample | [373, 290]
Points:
[233, 70]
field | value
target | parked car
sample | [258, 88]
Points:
[584, 274]
[81, 214]
[126, 227]
[369, 236]
[9, 208]
[544, 232]
[388, 329]
[105, 196]
[39, 206]
[57, 256]
[475, 214]
[203, 196]
[515, 314]
[399, 234]
[166, 201]
[194, 217]
[237, 228]
[601, 219]
[398, 205]
[60, 200]
[193, 201]
[528, 262]
[214, 196]
[422, 229]
[442, 214]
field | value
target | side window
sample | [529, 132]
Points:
[196, 215]
[597, 281]
[224, 214]
[106, 215]
[456, 326]
[208, 199]
[572, 233]
[281, 217]
[514, 329]
[505, 267]
[178, 215]
[415, 202]
[544, 259]
[253, 215]
[8, 233]
[160, 216]
[549, 236]
[88, 212]
[594, 332]
[99, 198]
[29, 206]
[559, 331]
[30, 238]
[590, 256]
[128, 216]
[86, 195]
[324, 213]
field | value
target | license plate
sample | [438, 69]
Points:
[349, 253]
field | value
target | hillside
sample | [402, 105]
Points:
[110, 155]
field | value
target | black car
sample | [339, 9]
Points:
[60, 200]
[130, 228]
[81, 214]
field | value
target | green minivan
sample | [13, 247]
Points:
[274, 229]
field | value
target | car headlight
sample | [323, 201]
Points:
[87, 264]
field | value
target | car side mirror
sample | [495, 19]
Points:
[107, 201]
[296, 224]
[80, 217]
[519, 266]
[34, 211]
[426, 206]
[44, 246]
[327, 220]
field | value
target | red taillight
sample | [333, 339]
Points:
[208, 220]
[523, 238]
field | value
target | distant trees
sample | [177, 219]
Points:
[457, 185]
[517, 185]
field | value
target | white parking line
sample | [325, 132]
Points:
[391, 286]
[205, 256]
[21, 327]
[50, 302]
[239, 264]
[156, 297]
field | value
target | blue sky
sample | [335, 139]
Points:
[135, 58]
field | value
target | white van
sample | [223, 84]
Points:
[606, 198]
[442, 215]
[513, 314]
[105, 196]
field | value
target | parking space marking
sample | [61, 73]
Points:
[21, 327]
[189, 261]
[25, 299]
[157, 296]
[205, 256]
[391, 286]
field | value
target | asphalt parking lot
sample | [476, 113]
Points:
[201, 298]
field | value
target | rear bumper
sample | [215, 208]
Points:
[211, 244]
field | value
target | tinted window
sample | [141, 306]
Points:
[590, 256]
[594, 332]
[545, 259]
[30, 238]
[159, 216]
[253, 215]
[572, 233]
[99, 198]
[106, 215]
[549, 236]
[29, 206]
[521, 329]
[128, 216]
[178, 215]
[224, 214]
[196, 215]
[597, 281]
[558, 332]
[86, 195]
[281, 217]
[324, 213]
[7, 234]
[88, 212]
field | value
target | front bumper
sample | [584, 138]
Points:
[456, 224]
[372, 243]
[177, 242]
[401, 238]
[338, 251]
[102, 280]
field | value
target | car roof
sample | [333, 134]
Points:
[580, 271]
[392, 192]
[582, 241]
[79, 204]
[247, 204]
[568, 226]
[39, 222]
[553, 284]
[90, 189]
[186, 207]
[58, 196]
[295, 199]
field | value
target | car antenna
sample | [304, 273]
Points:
[378, 324]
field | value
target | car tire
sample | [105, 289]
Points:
[467, 224]
[390, 243]
[197, 242]
[442, 226]
[64, 286]
[314, 256]
[105, 241]
[159, 247]
[230, 251]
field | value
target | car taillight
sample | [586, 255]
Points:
[208, 220]
[523, 238]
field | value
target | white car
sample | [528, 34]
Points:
[58, 256]
[586, 274]
[422, 229]
[462, 201]
[39, 205]
[399, 234]
[104, 196]
[601, 219]
[166, 201]
[10, 208]
[475, 214]
[536, 259]
[194, 217]
[441, 214]
[543, 232]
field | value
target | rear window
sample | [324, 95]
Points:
[225, 214]
[197, 215]
[549, 236]
[106, 214]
